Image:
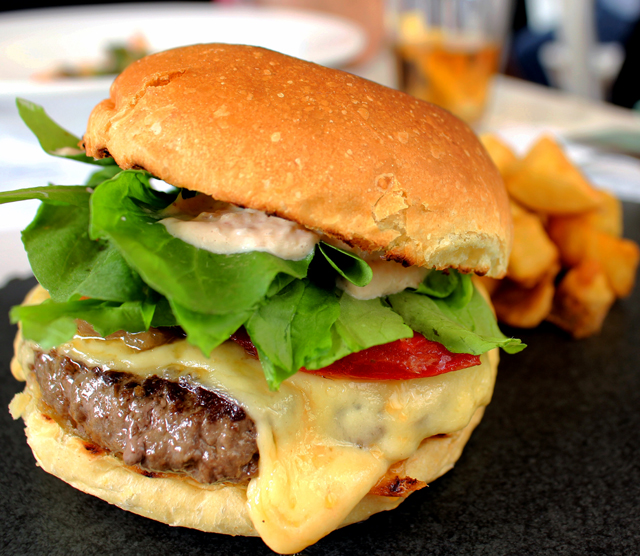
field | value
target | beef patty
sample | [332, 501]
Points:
[152, 422]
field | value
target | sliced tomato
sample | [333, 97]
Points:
[414, 357]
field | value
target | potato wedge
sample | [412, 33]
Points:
[573, 235]
[578, 239]
[503, 157]
[582, 300]
[619, 258]
[546, 181]
[533, 253]
[524, 307]
[607, 217]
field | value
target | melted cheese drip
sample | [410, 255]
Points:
[235, 230]
[323, 443]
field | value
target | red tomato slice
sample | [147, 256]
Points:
[403, 359]
[414, 357]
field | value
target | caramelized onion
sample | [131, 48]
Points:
[140, 341]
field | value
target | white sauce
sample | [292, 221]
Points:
[389, 277]
[235, 230]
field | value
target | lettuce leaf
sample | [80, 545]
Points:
[205, 330]
[50, 323]
[293, 328]
[126, 212]
[68, 263]
[349, 266]
[471, 329]
[54, 139]
[308, 326]
[76, 195]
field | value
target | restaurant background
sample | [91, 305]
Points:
[533, 30]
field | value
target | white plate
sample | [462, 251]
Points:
[34, 41]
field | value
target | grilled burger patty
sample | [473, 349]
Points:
[152, 422]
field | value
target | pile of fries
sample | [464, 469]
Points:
[569, 261]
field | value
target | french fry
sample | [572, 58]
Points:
[533, 253]
[546, 181]
[607, 217]
[578, 239]
[503, 157]
[582, 300]
[524, 307]
[573, 235]
[619, 258]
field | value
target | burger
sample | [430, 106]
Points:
[258, 316]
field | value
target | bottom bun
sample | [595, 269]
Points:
[181, 501]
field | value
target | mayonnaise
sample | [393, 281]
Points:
[236, 230]
[388, 278]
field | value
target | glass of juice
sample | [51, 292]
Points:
[447, 51]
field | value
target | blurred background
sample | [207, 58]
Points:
[589, 47]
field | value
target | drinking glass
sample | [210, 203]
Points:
[448, 51]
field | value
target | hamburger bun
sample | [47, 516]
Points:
[371, 166]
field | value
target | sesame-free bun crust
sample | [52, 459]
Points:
[341, 155]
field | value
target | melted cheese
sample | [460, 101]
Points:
[323, 443]
[235, 230]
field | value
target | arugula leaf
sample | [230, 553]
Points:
[472, 329]
[54, 139]
[163, 315]
[50, 324]
[77, 195]
[293, 328]
[103, 174]
[208, 331]
[68, 263]
[366, 323]
[463, 294]
[112, 279]
[126, 211]
[307, 326]
[439, 284]
[349, 266]
[361, 325]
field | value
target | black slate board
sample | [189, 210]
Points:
[554, 468]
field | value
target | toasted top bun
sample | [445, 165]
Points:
[341, 155]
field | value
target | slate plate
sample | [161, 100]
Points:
[554, 468]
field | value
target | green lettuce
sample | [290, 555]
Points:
[470, 329]
[126, 212]
[51, 323]
[54, 139]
